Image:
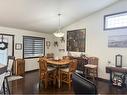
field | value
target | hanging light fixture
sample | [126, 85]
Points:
[59, 33]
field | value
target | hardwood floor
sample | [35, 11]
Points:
[30, 85]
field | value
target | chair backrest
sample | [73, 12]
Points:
[50, 55]
[10, 62]
[42, 66]
[42, 57]
[93, 60]
[66, 57]
[82, 85]
[73, 66]
[42, 69]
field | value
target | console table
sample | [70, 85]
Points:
[111, 69]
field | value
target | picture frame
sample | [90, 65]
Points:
[55, 44]
[117, 41]
[76, 40]
[48, 44]
[18, 46]
[118, 60]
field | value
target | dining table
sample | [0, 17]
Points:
[58, 63]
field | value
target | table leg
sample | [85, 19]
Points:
[110, 76]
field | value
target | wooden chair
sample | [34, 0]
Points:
[10, 63]
[66, 73]
[91, 69]
[4, 87]
[2, 78]
[50, 55]
[46, 73]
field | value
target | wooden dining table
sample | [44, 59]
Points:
[58, 64]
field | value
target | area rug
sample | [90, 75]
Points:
[12, 78]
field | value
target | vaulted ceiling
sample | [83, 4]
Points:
[41, 15]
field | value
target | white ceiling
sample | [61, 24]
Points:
[41, 15]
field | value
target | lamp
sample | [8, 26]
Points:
[59, 33]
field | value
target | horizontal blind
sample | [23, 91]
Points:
[33, 46]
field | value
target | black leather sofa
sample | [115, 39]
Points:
[82, 85]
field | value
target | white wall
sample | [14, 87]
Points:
[97, 38]
[30, 64]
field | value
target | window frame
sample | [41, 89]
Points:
[13, 40]
[114, 27]
[23, 47]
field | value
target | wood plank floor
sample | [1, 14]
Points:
[30, 85]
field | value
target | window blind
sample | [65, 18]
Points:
[33, 46]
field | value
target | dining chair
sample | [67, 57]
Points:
[10, 62]
[2, 77]
[66, 73]
[4, 87]
[46, 73]
[66, 58]
[50, 55]
[91, 69]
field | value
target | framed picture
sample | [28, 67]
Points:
[18, 46]
[76, 40]
[117, 41]
[48, 44]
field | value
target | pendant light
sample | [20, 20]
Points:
[59, 33]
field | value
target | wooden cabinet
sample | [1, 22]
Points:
[19, 66]
[81, 62]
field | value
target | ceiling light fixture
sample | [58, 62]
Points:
[59, 33]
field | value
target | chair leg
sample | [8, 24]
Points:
[45, 83]
[7, 85]
[69, 81]
[4, 87]
[61, 79]
[54, 79]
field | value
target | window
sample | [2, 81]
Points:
[115, 21]
[9, 51]
[33, 46]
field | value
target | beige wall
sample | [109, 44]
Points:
[31, 64]
[97, 38]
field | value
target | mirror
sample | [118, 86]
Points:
[118, 60]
